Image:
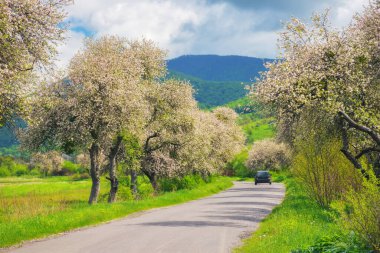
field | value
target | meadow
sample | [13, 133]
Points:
[32, 208]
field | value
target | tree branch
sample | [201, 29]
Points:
[362, 128]
[367, 150]
[146, 146]
[345, 149]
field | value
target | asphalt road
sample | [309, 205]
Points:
[213, 224]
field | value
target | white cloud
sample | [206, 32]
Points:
[344, 11]
[69, 47]
[191, 27]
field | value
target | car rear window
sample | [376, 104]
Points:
[262, 173]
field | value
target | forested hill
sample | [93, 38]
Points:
[219, 68]
[217, 79]
[212, 93]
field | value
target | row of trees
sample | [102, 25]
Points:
[335, 73]
[113, 102]
[325, 91]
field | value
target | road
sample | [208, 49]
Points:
[213, 224]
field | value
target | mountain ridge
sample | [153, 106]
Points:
[211, 67]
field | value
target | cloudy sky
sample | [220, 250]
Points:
[224, 27]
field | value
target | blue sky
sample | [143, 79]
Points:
[224, 27]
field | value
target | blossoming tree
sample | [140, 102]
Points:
[29, 33]
[335, 73]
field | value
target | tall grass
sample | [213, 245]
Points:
[37, 208]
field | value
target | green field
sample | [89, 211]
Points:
[255, 128]
[33, 208]
[296, 223]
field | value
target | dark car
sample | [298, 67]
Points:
[263, 176]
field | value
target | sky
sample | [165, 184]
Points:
[223, 27]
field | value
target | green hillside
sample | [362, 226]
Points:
[212, 93]
[256, 123]
[217, 79]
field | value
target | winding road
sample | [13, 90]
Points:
[213, 224]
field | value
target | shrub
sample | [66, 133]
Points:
[4, 172]
[81, 176]
[124, 193]
[360, 211]
[267, 154]
[49, 162]
[20, 169]
[10, 167]
[326, 174]
[177, 183]
[69, 168]
[238, 165]
[34, 172]
[337, 244]
[145, 190]
[7, 163]
[319, 163]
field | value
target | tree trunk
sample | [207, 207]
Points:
[112, 170]
[113, 180]
[134, 181]
[153, 181]
[94, 172]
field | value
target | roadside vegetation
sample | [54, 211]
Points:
[297, 223]
[58, 204]
[324, 94]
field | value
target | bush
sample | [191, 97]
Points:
[238, 165]
[81, 176]
[360, 211]
[49, 162]
[69, 168]
[20, 169]
[269, 155]
[4, 172]
[34, 172]
[7, 164]
[337, 244]
[177, 183]
[10, 167]
[124, 193]
[145, 190]
[326, 174]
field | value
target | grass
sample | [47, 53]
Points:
[256, 128]
[35, 208]
[296, 223]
